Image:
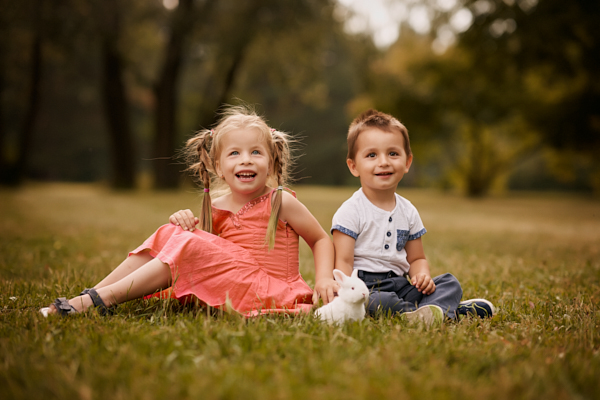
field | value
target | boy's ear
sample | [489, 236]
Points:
[352, 167]
[409, 161]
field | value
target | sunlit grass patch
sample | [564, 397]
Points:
[536, 257]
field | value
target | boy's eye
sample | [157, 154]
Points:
[370, 155]
[394, 154]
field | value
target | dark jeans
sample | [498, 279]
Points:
[390, 292]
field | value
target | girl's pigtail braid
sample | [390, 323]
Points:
[280, 159]
[203, 165]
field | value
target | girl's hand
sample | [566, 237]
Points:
[423, 283]
[325, 288]
[185, 219]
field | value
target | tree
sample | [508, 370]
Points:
[13, 172]
[237, 29]
[553, 49]
[114, 97]
[166, 173]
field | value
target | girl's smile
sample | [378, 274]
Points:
[246, 176]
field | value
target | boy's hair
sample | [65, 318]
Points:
[203, 149]
[375, 119]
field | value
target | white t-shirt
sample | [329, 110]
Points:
[380, 235]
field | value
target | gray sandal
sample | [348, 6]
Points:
[63, 307]
[98, 302]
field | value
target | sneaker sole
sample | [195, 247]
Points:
[489, 303]
[427, 315]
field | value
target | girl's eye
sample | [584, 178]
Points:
[234, 153]
[256, 152]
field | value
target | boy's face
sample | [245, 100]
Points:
[380, 161]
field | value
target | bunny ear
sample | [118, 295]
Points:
[354, 273]
[339, 276]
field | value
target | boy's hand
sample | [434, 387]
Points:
[325, 289]
[423, 283]
[185, 219]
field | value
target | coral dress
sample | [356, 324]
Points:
[233, 267]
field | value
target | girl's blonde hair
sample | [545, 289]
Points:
[202, 150]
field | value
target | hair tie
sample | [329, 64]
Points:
[212, 132]
[279, 187]
[206, 190]
[273, 130]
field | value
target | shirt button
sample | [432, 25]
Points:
[387, 246]
[390, 219]
[389, 234]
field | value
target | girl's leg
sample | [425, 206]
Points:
[129, 265]
[145, 280]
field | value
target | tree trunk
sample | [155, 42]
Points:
[3, 155]
[166, 172]
[237, 51]
[207, 114]
[114, 98]
[13, 174]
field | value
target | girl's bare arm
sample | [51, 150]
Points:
[307, 227]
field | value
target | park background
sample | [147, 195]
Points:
[502, 102]
[496, 95]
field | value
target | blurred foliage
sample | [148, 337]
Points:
[549, 51]
[513, 103]
[465, 131]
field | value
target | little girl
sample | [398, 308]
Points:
[246, 255]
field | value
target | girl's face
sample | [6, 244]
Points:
[244, 162]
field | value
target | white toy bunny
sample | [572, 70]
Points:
[350, 302]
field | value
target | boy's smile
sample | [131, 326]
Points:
[380, 161]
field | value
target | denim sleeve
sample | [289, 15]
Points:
[347, 220]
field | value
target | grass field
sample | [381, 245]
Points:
[536, 256]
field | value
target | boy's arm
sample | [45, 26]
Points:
[344, 252]
[419, 267]
[309, 229]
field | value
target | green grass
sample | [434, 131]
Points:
[536, 256]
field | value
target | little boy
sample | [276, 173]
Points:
[379, 232]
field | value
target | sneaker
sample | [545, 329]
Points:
[428, 315]
[480, 307]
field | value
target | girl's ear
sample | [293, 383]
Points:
[218, 168]
[352, 167]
